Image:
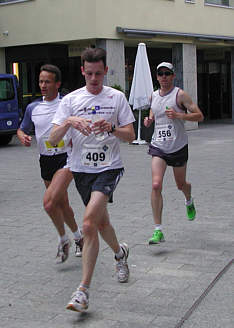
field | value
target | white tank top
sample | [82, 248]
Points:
[169, 134]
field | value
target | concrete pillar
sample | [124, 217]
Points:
[190, 70]
[190, 76]
[232, 81]
[2, 61]
[184, 57]
[115, 61]
[177, 61]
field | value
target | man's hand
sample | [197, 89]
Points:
[171, 113]
[81, 124]
[148, 121]
[24, 138]
[101, 126]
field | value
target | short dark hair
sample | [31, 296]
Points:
[93, 55]
[52, 69]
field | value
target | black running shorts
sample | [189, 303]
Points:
[105, 182]
[176, 159]
[50, 164]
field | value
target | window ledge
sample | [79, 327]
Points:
[219, 6]
[9, 2]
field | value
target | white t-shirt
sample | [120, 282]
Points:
[40, 113]
[88, 154]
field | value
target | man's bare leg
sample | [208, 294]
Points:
[57, 206]
[94, 218]
[56, 201]
[185, 187]
[180, 179]
[158, 170]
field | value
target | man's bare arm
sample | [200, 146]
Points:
[24, 138]
[78, 123]
[185, 100]
[148, 120]
[125, 133]
[57, 133]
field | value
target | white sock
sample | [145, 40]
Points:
[120, 254]
[189, 202]
[77, 234]
[158, 227]
[86, 287]
[63, 238]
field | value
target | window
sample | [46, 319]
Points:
[190, 1]
[5, 2]
[6, 89]
[224, 3]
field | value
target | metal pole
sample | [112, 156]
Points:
[139, 126]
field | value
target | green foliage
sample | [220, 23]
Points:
[144, 113]
[117, 87]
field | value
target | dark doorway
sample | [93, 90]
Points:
[29, 59]
[214, 89]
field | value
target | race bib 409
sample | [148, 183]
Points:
[96, 156]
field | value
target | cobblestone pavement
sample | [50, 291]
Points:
[177, 284]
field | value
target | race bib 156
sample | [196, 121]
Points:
[165, 132]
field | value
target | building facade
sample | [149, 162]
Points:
[196, 35]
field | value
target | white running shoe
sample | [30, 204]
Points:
[79, 246]
[79, 301]
[63, 251]
[122, 265]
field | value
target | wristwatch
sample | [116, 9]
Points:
[112, 128]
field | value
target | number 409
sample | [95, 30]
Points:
[95, 157]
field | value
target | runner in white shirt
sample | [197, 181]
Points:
[169, 144]
[96, 164]
[54, 161]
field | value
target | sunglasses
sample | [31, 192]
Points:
[166, 73]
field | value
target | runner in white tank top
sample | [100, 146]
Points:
[170, 107]
[169, 134]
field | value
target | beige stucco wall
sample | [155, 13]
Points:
[43, 21]
[165, 15]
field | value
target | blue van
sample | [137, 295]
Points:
[10, 107]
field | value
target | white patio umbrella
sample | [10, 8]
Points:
[142, 87]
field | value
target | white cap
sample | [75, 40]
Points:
[167, 65]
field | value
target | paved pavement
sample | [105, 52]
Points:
[186, 282]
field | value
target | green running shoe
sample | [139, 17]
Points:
[191, 212]
[157, 238]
